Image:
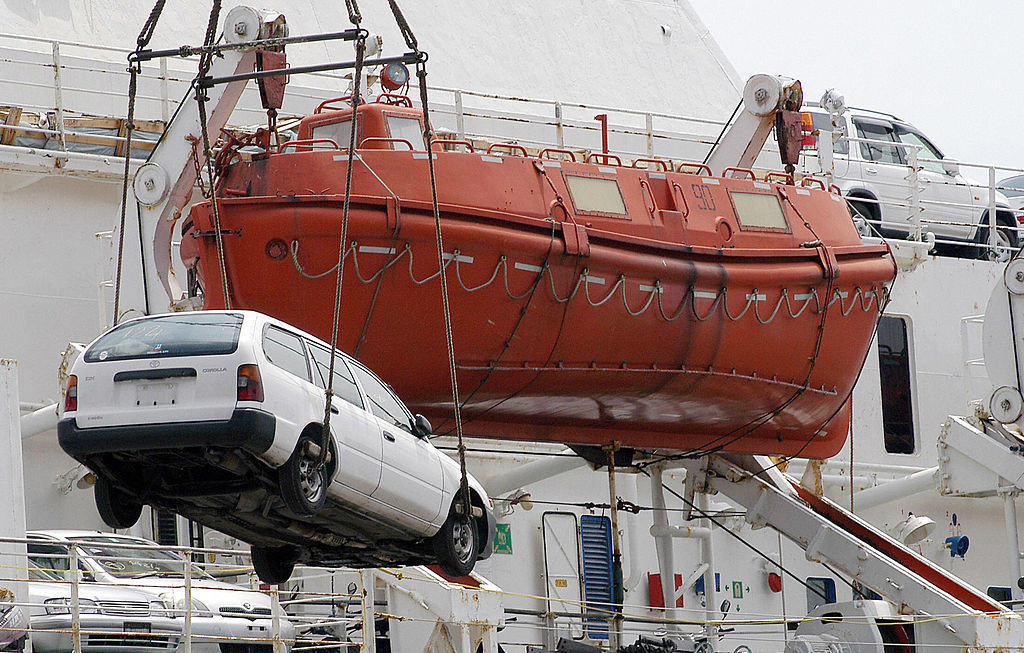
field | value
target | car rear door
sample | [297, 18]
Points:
[161, 369]
[355, 431]
[411, 478]
[884, 172]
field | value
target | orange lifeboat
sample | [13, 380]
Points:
[591, 302]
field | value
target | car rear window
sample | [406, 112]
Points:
[184, 334]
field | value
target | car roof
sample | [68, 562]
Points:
[249, 315]
[70, 535]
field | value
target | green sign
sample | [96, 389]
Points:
[503, 538]
[737, 589]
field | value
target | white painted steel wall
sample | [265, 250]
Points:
[612, 52]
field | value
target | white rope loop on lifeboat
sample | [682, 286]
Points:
[134, 69]
[795, 303]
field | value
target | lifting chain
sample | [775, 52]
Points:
[325, 437]
[428, 137]
[134, 69]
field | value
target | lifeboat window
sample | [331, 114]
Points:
[596, 195]
[344, 384]
[820, 591]
[895, 376]
[285, 350]
[758, 211]
[406, 127]
[340, 132]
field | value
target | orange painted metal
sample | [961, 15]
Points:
[576, 318]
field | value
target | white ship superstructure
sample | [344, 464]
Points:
[537, 72]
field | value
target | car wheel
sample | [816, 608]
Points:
[274, 565]
[117, 509]
[303, 482]
[1006, 240]
[456, 545]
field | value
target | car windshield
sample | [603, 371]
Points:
[184, 334]
[1012, 186]
[130, 562]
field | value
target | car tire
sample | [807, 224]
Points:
[456, 545]
[862, 217]
[303, 482]
[275, 564]
[117, 509]
[1006, 239]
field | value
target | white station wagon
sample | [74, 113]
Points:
[218, 415]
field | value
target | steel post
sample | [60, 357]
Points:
[1012, 540]
[613, 500]
[460, 117]
[58, 98]
[993, 234]
[708, 558]
[76, 611]
[275, 618]
[367, 582]
[188, 600]
[663, 545]
[915, 195]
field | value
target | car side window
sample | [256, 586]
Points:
[285, 350]
[927, 150]
[875, 151]
[344, 384]
[383, 402]
[49, 557]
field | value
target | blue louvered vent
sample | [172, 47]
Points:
[596, 535]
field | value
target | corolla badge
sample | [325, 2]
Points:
[154, 363]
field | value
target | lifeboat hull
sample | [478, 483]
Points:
[679, 329]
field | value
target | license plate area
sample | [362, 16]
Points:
[137, 627]
[156, 394]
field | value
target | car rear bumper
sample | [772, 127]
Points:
[489, 540]
[250, 429]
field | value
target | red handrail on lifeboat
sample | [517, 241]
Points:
[512, 147]
[308, 142]
[603, 157]
[556, 150]
[381, 139]
[665, 166]
[394, 99]
[700, 167]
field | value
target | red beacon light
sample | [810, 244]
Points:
[394, 76]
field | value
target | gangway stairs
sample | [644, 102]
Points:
[948, 614]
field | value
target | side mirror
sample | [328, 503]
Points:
[421, 426]
[951, 167]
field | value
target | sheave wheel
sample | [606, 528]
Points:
[303, 483]
[117, 509]
[455, 545]
[274, 565]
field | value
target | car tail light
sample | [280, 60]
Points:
[250, 387]
[807, 128]
[71, 394]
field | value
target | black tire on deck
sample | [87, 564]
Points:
[274, 565]
[117, 509]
